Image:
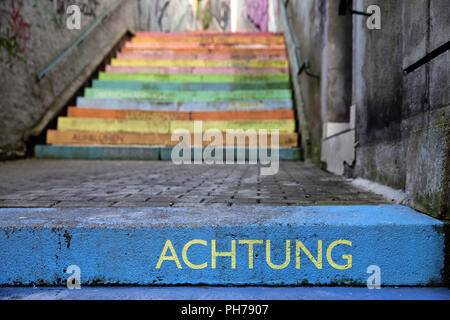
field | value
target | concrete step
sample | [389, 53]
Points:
[161, 55]
[143, 48]
[213, 47]
[56, 137]
[200, 63]
[166, 126]
[215, 39]
[185, 86]
[143, 77]
[179, 115]
[205, 245]
[163, 153]
[196, 70]
[187, 95]
[128, 104]
[203, 33]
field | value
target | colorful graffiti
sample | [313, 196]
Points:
[19, 28]
[56, 9]
[257, 12]
[221, 12]
[14, 40]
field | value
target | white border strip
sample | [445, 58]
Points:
[390, 194]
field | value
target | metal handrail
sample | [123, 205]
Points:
[41, 74]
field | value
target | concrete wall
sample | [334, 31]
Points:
[401, 131]
[42, 35]
[403, 119]
[307, 19]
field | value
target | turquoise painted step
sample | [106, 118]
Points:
[136, 153]
[142, 77]
[153, 246]
[185, 86]
[187, 95]
[149, 105]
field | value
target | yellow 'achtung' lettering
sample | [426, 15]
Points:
[299, 248]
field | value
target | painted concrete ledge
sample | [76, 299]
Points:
[143, 246]
[137, 152]
[130, 104]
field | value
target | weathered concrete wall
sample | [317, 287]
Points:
[167, 15]
[403, 119]
[42, 35]
[307, 22]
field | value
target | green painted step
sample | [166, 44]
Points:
[185, 86]
[188, 95]
[142, 77]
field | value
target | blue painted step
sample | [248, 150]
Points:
[137, 153]
[221, 246]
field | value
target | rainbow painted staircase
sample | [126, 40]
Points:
[162, 82]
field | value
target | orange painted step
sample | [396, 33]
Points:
[175, 115]
[200, 50]
[90, 138]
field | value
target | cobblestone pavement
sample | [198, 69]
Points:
[71, 183]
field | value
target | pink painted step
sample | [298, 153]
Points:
[188, 45]
[203, 33]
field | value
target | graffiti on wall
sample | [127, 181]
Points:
[162, 16]
[14, 40]
[257, 12]
[20, 29]
[167, 15]
[221, 12]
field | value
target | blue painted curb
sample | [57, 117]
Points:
[144, 246]
[224, 293]
[149, 105]
[142, 153]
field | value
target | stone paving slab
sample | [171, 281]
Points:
[79, 183]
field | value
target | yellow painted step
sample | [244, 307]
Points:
[200, 63]
[143, 126]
